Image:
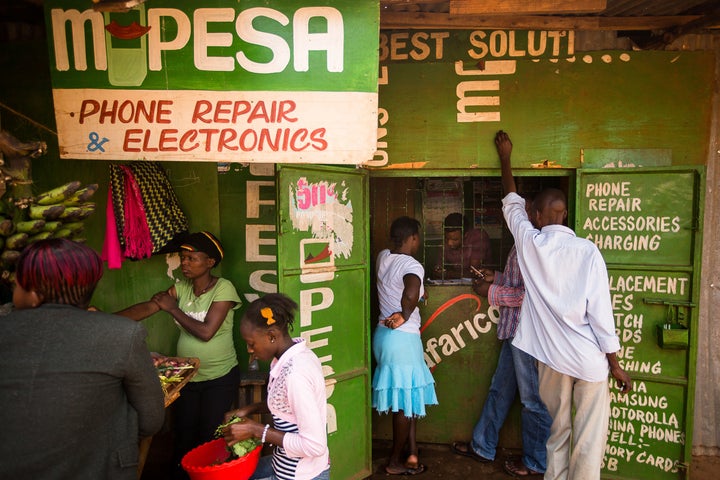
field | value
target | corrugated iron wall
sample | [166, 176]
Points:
[706, 437]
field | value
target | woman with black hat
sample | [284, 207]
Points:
[202, 305]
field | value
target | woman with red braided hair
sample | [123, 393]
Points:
[79, 387]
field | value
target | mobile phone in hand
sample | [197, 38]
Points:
[477, 272]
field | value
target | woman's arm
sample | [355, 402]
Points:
[410, 295]
[203, 330]
[142, 310]
[248, 428]
[259, 407]
[408, 301]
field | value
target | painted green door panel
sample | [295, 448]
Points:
[647, 437]
[324, 216]
[645, 300]
[322, 264]
[639, 216]
[654, 294]
[331, 320]
[350, 448]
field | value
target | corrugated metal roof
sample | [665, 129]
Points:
[637, 8]
[614, 8]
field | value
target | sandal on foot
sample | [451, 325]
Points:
[464, 448]
[517, 469]
[407, 471]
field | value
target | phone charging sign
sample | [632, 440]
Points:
[255, 81]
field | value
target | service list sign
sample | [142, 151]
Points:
[291, 81]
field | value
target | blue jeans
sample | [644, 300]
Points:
[264, 471]
[516, 371]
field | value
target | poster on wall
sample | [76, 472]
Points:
[254, 82]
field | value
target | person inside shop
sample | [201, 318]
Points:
[296, 396]
[516, 372]
[567, 324]
[402, 382]
[464, 248]
[202, 306]
[79, 386]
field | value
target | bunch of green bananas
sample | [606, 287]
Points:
[56, 213]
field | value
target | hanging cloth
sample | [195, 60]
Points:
[138, 243]
[111, 250]
[142, 191]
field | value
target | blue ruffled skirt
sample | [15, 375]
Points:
[402, 380]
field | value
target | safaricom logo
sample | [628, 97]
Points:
[128, 66]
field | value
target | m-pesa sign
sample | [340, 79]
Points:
[253, 81]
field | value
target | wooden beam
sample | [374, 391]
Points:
[532, 7]
[419, 20]
[660, 41]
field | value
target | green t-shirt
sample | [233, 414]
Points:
[217, 356]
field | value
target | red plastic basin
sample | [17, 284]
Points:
[207, 462]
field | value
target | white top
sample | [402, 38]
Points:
[297, 401]
[566, 319]
[391, 269]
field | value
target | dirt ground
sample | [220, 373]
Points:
[443, 464]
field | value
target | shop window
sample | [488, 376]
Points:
[475, 200]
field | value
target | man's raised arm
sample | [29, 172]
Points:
[504, 149]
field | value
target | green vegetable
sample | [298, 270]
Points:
[241, 448]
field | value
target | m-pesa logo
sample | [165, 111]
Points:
[258, 40]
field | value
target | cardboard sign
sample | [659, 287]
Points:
[291, 82]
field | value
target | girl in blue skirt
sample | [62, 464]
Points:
[402, 382]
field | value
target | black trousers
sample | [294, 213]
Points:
[198, 411]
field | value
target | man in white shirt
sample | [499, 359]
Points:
[567, 324]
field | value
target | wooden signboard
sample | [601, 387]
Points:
[256, 81]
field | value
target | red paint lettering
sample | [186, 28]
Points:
[286, 107]
[88, 108]
[241, 108]
[127, 111]
[318, 137]
[208, 132]
[226, 136]
[187, 141]
[258, 113]
[202, 108]
[129, 134]
[163, 114]
[146, 143]
[106, 112]
[168, 140]
[219, 110]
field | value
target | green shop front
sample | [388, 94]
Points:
[624, 134]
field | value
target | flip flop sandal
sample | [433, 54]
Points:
[518, 469]
[409, 471]
[415, 471]
[464, 449]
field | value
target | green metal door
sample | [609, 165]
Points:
[323, 265]
[646, 224]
